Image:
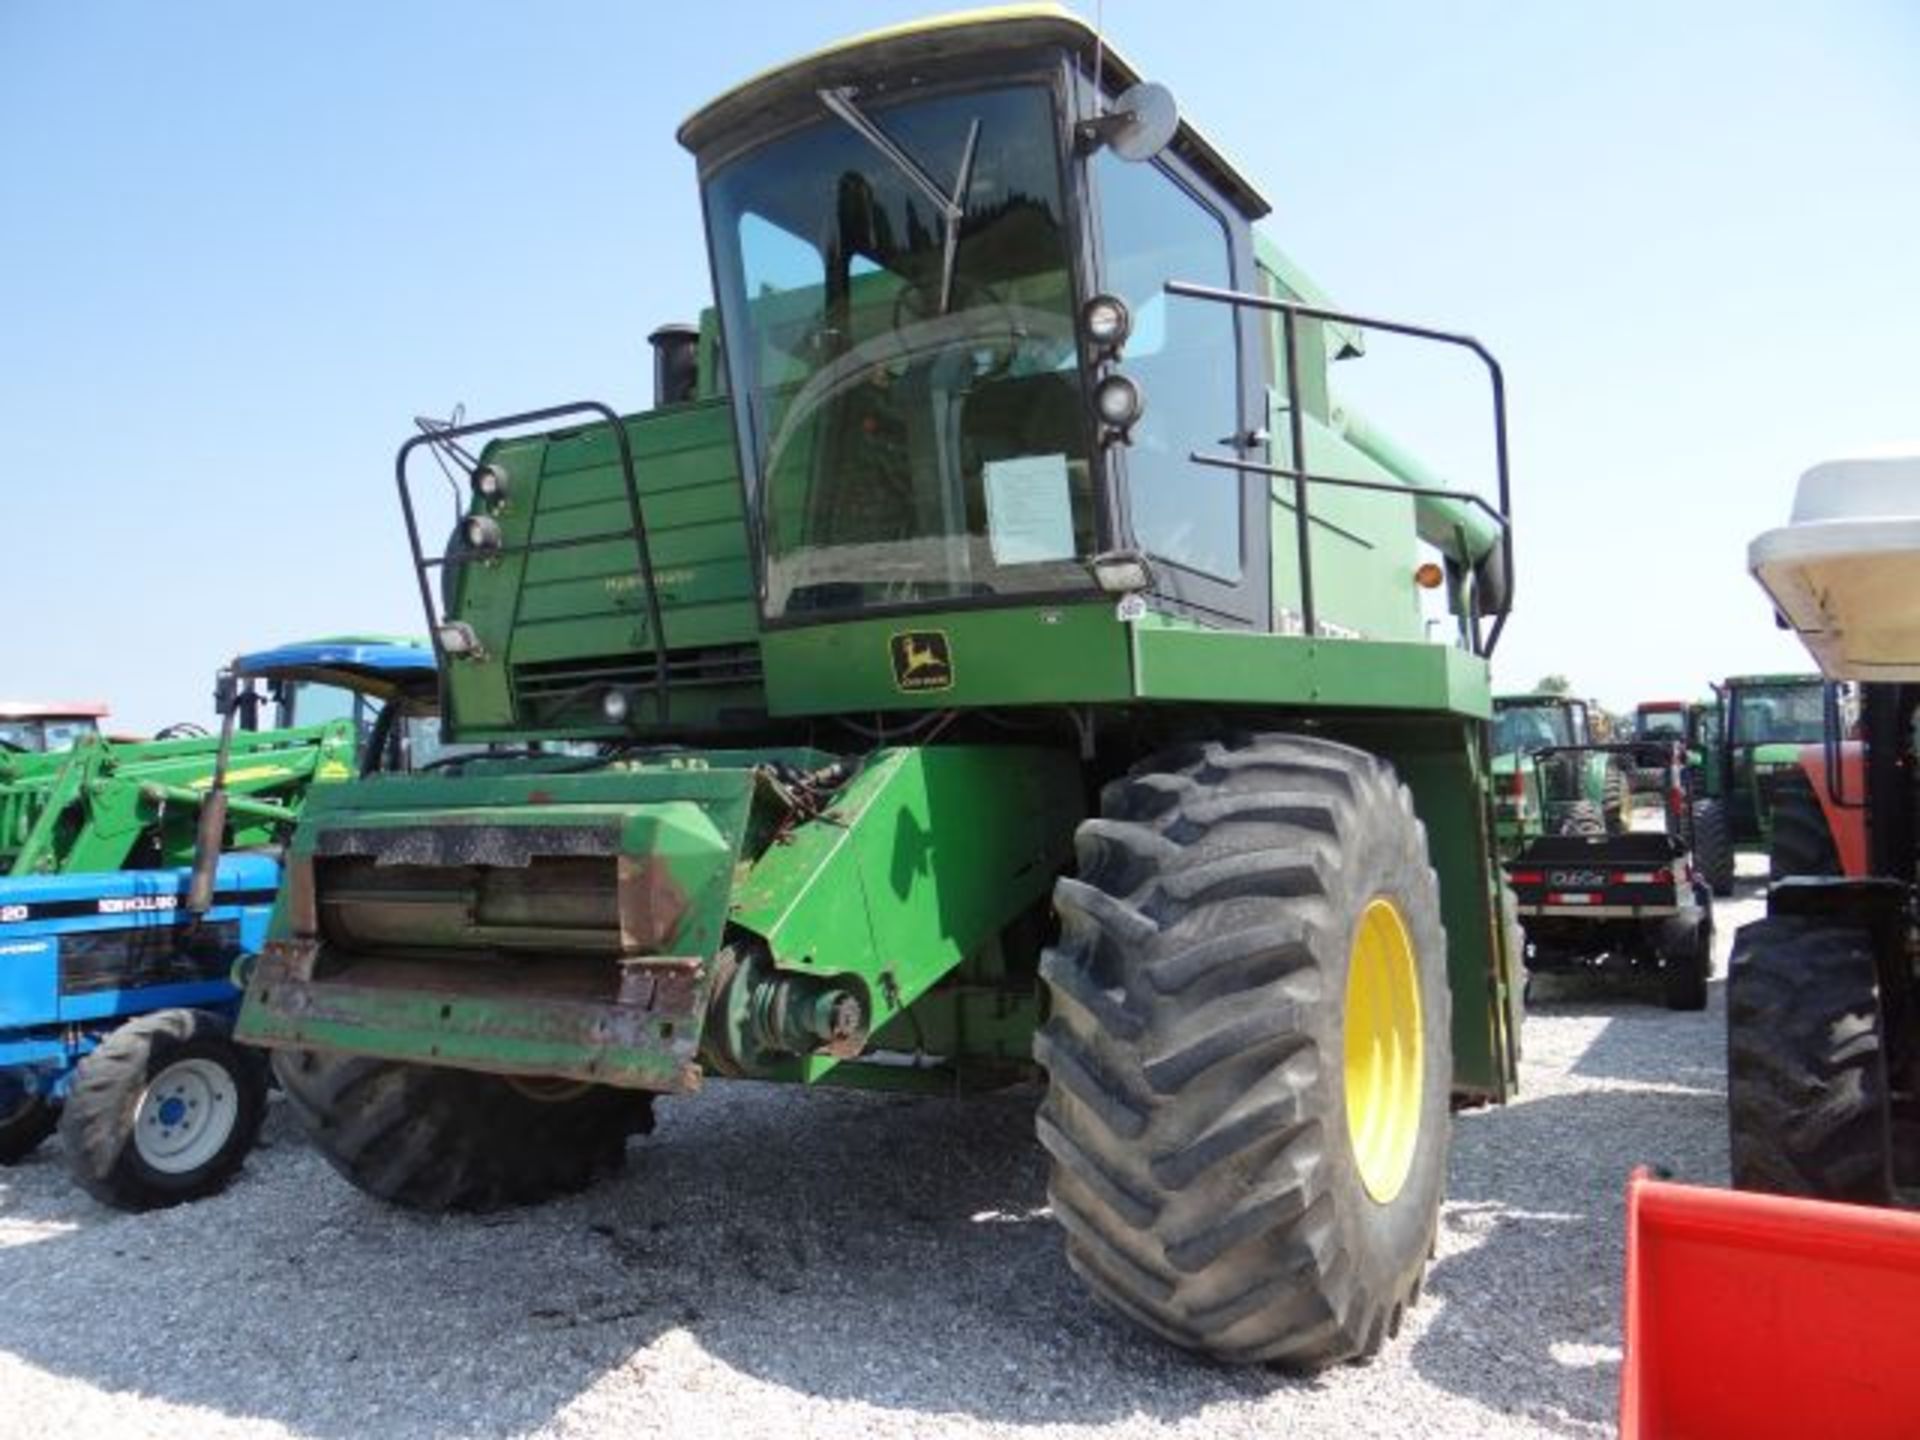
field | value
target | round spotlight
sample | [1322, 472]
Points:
[1119, 402]
[615, 706]
[490, 483]
[481, 532]
[1107, 322]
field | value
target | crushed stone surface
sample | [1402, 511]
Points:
[777, 1263]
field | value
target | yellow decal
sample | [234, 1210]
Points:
[333, 770]
[922, 660]
[237, 777]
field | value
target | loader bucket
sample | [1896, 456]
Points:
[1759, 1316]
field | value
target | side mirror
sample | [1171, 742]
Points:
[226, 690]
[1140, 125]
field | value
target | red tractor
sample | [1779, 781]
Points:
[1786, 1313]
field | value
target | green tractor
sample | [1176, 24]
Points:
[1597, 793]
[997, 654]
[1697, 724]
[96, 805]
[32, 728]
[1750, 786]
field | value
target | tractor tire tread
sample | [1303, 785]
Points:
[1807, 1089]
[1189, 1109]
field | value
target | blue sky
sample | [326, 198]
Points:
[245, 244]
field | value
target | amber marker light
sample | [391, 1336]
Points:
[1429, 576]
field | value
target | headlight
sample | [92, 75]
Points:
[481, 532]
[1119, 402]
[489, 483]
[1107, 322]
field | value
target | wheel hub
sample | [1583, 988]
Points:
[1385, 1071]
[185, 1115]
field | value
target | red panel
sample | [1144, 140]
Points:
[1759, 1317]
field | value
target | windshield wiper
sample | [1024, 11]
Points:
[952, 206]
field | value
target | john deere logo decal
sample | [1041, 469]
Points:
[922, 660]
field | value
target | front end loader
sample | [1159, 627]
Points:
[953, 706]
[118, 988]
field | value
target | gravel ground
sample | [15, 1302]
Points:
[780, 1264]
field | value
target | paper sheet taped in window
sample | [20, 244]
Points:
[1029, 509]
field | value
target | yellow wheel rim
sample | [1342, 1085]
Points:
[1383, 1050]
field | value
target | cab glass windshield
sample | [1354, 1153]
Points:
[1779, 714]
[1655, 723]
[898, 313]
[1518, 728]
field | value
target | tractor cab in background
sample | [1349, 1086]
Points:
[30, 728]
[1596, 783]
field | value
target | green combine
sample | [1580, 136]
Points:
[995, 653]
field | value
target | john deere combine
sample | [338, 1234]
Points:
[1004, 656]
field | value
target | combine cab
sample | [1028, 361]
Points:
[1015, 661]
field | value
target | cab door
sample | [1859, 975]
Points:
[1205, 529]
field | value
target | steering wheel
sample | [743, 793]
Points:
[182, 730]
[1001, 335]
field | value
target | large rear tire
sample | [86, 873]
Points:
[1713, 846]
[1249, 1056]
[431, 1138]
[1801, 842]
[1807, 1093]
[163, 1111]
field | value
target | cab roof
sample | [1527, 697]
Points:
[938, 39]
[378, 665]
[52, 709]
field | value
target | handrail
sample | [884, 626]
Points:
[422, 563]
[1290, 313]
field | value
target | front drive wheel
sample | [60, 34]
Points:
[431, 1138]
[1808, 1101]
[1248, 1057]
[163, 1111]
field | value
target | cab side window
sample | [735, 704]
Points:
[1185, 356]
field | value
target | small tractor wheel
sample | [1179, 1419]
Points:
[26, 1118]
[1580, 817]
[1801, 842]
[163, 1111]
[1713, 846]
[1807, 1090]
[431, 1138]
[1686, 972]
[1248, 1055]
